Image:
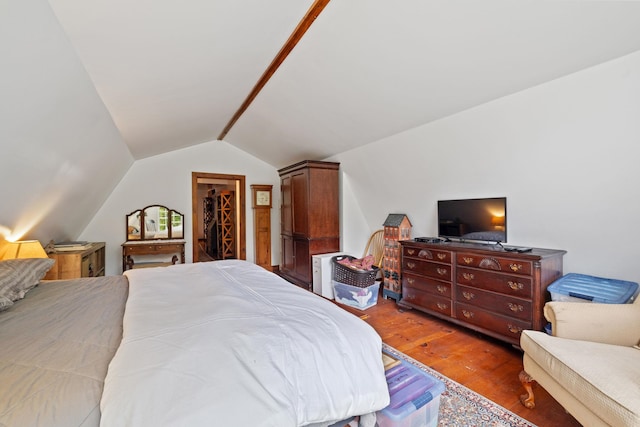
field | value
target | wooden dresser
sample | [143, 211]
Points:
[310, 217]
[482, 287]
[74, 264]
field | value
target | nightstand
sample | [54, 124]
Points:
[73, 264]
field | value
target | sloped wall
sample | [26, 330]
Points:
[60, 153]
[563, 153]
[166, 180]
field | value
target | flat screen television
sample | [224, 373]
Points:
[473, 219]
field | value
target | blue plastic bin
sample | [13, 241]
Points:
[415, 398]
[354, 296]
[583, 288]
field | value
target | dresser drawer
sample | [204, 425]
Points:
[518, 286]
[426, 300]
[427, 254]
[506, 265]
[498, 303]
[152, 249]
[506, 326]
[426, 268]
[427, 284]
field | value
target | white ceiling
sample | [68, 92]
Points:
[173, 73]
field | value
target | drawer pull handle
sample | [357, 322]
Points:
[514, 329]
[468, 295]
[516, 286]
[425, 254]
[411, 265]
[411, 251]
[515, 307]
[468, 276]
[441, 289]
[515, 267]
[442, 306]
[468, 314]
[441, 256]
[442, 271]
[410, 280]
[467, 259]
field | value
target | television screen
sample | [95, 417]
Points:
[473, 219]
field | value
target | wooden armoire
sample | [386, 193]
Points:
[310, 217]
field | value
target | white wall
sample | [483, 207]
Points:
[166, 180]
[564, 154]
[56, 136]
[354, 228]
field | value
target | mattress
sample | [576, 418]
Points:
[229, 343]
[55, 347]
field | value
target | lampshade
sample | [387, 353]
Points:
[497, 221]
[22, 249]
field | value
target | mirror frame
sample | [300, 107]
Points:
[141, 213]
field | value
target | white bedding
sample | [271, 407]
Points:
[226, 343]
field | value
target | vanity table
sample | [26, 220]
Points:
[151, 250]
[154, 238]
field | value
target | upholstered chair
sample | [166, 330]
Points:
[591, 363]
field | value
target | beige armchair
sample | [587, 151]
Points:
[591, 364]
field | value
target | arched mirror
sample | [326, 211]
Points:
[155, 222]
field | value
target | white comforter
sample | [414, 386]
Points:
[226, 343]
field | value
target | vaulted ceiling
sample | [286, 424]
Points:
[173, 73]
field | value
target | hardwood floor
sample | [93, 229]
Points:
[483, 364]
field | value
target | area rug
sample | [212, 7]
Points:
[460, 406]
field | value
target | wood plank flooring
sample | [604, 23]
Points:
[483, 364]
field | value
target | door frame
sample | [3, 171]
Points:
[241, 246]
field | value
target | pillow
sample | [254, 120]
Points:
[19, 276]
[5, 303]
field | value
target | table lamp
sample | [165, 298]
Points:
[21, 249]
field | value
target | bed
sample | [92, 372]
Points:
[215, 343]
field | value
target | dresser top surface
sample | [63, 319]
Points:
[487, 248]
[153, 242]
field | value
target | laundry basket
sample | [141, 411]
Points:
[350, 276]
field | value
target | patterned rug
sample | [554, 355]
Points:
[462, 407]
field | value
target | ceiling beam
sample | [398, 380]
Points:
[314, 11]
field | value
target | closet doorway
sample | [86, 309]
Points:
[218, 216]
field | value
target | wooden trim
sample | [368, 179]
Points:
[194, 215]
[314, 11]
[240, 180]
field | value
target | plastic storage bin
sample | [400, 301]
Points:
[583, 288]
[415, 398]
[355, 296]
